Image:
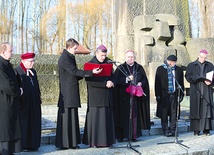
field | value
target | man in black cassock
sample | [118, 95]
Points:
[201, 94]
[10, 132]
[30, 112]
[99, 124]
[166, 92]
[124, 74]
[68, 132]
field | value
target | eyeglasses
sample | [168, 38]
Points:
[203, 57]
[30, 60]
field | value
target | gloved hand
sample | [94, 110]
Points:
[181, 98]
[158, 99]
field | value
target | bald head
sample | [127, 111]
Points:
[130, 57]
[6, 50]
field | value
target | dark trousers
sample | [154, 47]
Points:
[171, 111]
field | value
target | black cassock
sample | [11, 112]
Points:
[99, 124]
[68, 132]
[140, 105]
[201, 96]
[30, 113]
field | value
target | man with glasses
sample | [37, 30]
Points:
[10, 134]
[99, 124]
[128, 75]
[201, 94]
[30, 113]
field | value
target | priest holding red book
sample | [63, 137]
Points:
[99, 124]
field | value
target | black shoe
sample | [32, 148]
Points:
[94, 146]
[30, 149]
[173, 134]
[166, 133]
[196, 133]
[75, 147]
[206, 133]
[170, 134]
[63, 148]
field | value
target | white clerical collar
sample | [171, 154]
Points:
[131, 64]
[29, 71]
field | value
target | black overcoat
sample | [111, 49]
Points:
[98, 94]
[30, 112]
[193, 77]
[99, 124]
[69, 75]
[161, 88]
[122, 98]
[9, 103]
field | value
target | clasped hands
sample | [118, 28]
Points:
[109, 84]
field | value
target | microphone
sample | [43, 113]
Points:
[111, 61]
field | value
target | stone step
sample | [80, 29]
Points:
[49, 117]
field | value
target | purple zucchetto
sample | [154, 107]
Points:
[102, 48]
[204, 51]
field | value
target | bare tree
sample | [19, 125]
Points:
[7, 9]
[40, 24]
[92, 21]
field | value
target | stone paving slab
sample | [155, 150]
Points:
[148, 145]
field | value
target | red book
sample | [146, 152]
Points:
[107, 68]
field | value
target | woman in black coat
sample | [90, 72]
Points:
[68, 132]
